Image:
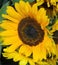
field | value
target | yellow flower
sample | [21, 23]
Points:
[26, 35]
[49, 2]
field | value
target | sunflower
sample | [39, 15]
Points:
[49, 2]
[26, 35]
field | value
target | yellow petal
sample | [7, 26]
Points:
[12, 48]
[33, 11]
[9, 25]
[26, 50]
[9, 55]
[10, 18]
[43, 53]
[23, 62]
[18, 9]
[42, 17]
[39, 53]
[11, 12]
[31, 62]
[40, 2]
[16, 56]
[8, 33]
[15, 45]
[36, 54]
[8, 41]
[23, 8]
[28, 7]
[12, 40]
[49, 44]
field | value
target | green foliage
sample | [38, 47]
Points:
[3, 10]
[29, 1]
[15, 1]
[23, 0]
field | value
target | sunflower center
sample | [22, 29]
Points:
[30, 31]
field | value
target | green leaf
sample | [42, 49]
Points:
[15, 1]
[23, 0]
[30, 1]
[3, 10]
